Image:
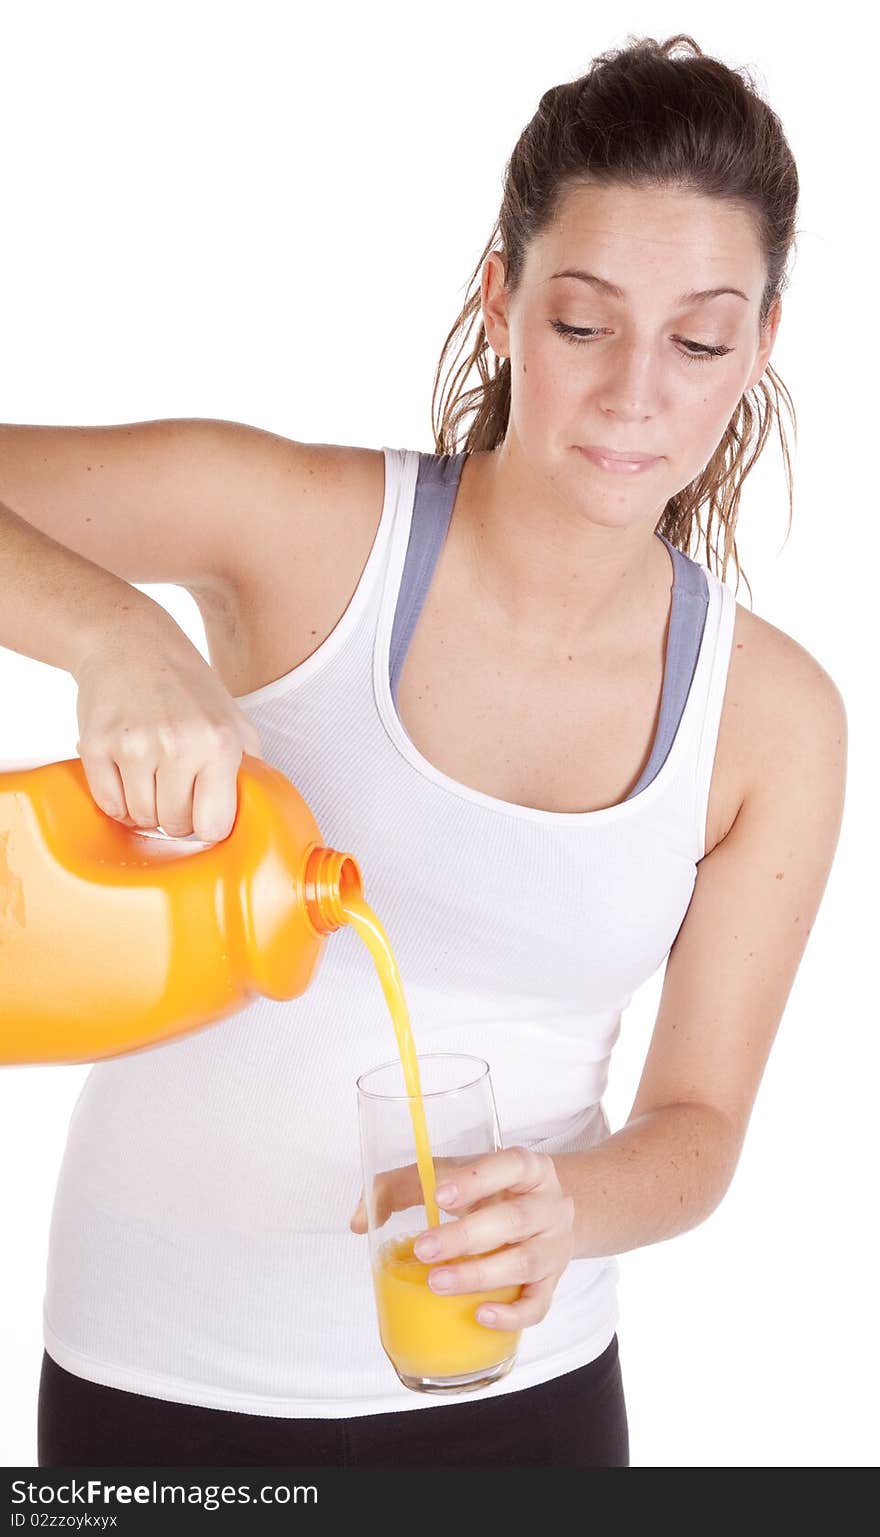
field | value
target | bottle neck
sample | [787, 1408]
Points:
[329, 878]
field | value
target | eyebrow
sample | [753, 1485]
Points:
[693, 295]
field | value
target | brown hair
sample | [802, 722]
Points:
[641, 117]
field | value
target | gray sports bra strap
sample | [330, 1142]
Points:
[687, 620]
[436, 486]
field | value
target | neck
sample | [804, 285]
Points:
[541, 568]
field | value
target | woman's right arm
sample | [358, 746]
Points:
[55, 599]
[161, 739]
[209, 505]
[156, 501]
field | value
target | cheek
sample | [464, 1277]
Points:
[707, 412]
[701, 420]
[543, 383]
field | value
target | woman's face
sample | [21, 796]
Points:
[641, 382]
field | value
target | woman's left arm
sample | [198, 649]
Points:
[727, 980]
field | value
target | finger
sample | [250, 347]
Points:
[533, 1305]
[105, 783]
[215, 797]
[138, 771]
[399, 1189]
[538, 1257]
[486, 1228]
[358, 1219]
[517, 1169]
[174, 796]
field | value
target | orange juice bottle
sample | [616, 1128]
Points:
[113, 939]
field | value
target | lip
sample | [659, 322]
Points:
[626, 464]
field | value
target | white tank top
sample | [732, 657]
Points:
[199, 1246]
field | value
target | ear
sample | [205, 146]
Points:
[494, 301]
[768, 339]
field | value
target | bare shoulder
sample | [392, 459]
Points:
[297, 499]
[309, 514]
[790, 704]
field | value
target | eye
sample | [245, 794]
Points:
[578, 335]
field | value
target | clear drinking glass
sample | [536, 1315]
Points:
[434, 1342]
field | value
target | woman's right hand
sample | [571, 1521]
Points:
[160, 737]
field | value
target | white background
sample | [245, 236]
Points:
[269, 213]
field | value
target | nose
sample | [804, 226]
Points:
[629, 387]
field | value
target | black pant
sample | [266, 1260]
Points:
[577, 1420]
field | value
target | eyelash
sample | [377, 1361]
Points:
[580, 334]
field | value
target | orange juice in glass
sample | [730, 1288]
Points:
[434, 1342]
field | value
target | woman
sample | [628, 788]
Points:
[563, 754]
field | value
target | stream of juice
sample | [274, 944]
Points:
[362, 918]
[425, 1336]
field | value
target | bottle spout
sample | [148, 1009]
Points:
[330, 877]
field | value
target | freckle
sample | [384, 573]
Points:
[314, 632]
[780, 876]
[569, 659]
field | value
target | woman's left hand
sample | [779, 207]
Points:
[510, 1201]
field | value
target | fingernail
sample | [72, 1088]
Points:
[446, 1194]
[427, 1247]
[441, 1280]
[486, 1315]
